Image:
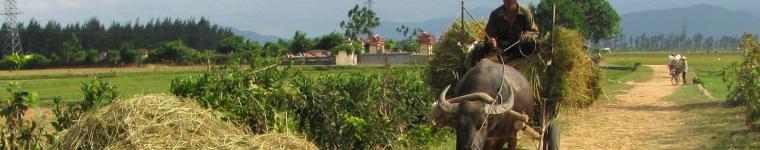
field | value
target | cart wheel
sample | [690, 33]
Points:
[551, 138]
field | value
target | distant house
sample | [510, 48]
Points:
[317, 53]
[103, 54]
[426, 42]
[145, 52]
[376, 44]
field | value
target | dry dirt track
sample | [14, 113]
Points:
[640, 119]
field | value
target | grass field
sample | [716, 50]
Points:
[69, 88]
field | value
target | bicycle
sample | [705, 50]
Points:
[674, 76]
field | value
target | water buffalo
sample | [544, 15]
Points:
[491, 103]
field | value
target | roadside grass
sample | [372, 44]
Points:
[724, 125]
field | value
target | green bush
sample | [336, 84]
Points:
[113, 58]
[97, 93]
[129, 54]
[18, 132]
[339, 111]
[29, 61]
[71, 53]
[743, 79]
[343, 47]
[174, 52]
[37, 61]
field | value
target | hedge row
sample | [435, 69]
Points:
[338, 111]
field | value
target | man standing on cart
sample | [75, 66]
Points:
[512, 24]
[511, 34]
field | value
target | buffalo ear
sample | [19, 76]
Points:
[442, 118]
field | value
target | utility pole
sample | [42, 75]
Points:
[369, 4]
[12, 40]
[464, 29]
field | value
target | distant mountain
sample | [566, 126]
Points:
[754, 11]
[434, 26]
[705, 19]
[254, 36]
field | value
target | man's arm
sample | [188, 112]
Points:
[531, 34]
[491, 32]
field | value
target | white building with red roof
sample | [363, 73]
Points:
[376, 44]
[425, 41]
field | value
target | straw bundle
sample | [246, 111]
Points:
[165, 122]
[450, 53]
[575, 79]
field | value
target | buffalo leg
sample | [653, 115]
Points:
[495, 144]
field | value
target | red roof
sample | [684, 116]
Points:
[425, 38]
[376, 38]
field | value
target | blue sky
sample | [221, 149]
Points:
[283, 17]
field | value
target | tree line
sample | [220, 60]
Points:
[176, 41]
[93, 43]
[679, 42]
[46, 39]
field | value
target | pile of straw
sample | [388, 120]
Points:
[450, 53]
[165, 122]
[575, 79]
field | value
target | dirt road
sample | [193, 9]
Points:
[640, 119]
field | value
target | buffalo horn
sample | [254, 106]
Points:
[504, 106]
[444, 104]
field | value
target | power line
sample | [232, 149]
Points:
[12, 40]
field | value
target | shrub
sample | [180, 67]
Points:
[19, 132]
[174, 52]
[97, 93]
[37, 61]
[18, 61]
[409, 45]
[743, 79]
[129, 54]
[343, 47]
[339, 111]
[113, 58]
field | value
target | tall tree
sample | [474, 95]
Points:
[300, 43]
[596, 19]
[329, 41]
[232, 44]
[408, 32]
[601, 21]
[360, 21]
[569, 14]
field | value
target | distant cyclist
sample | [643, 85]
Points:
[683, 67]
[673, 61]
